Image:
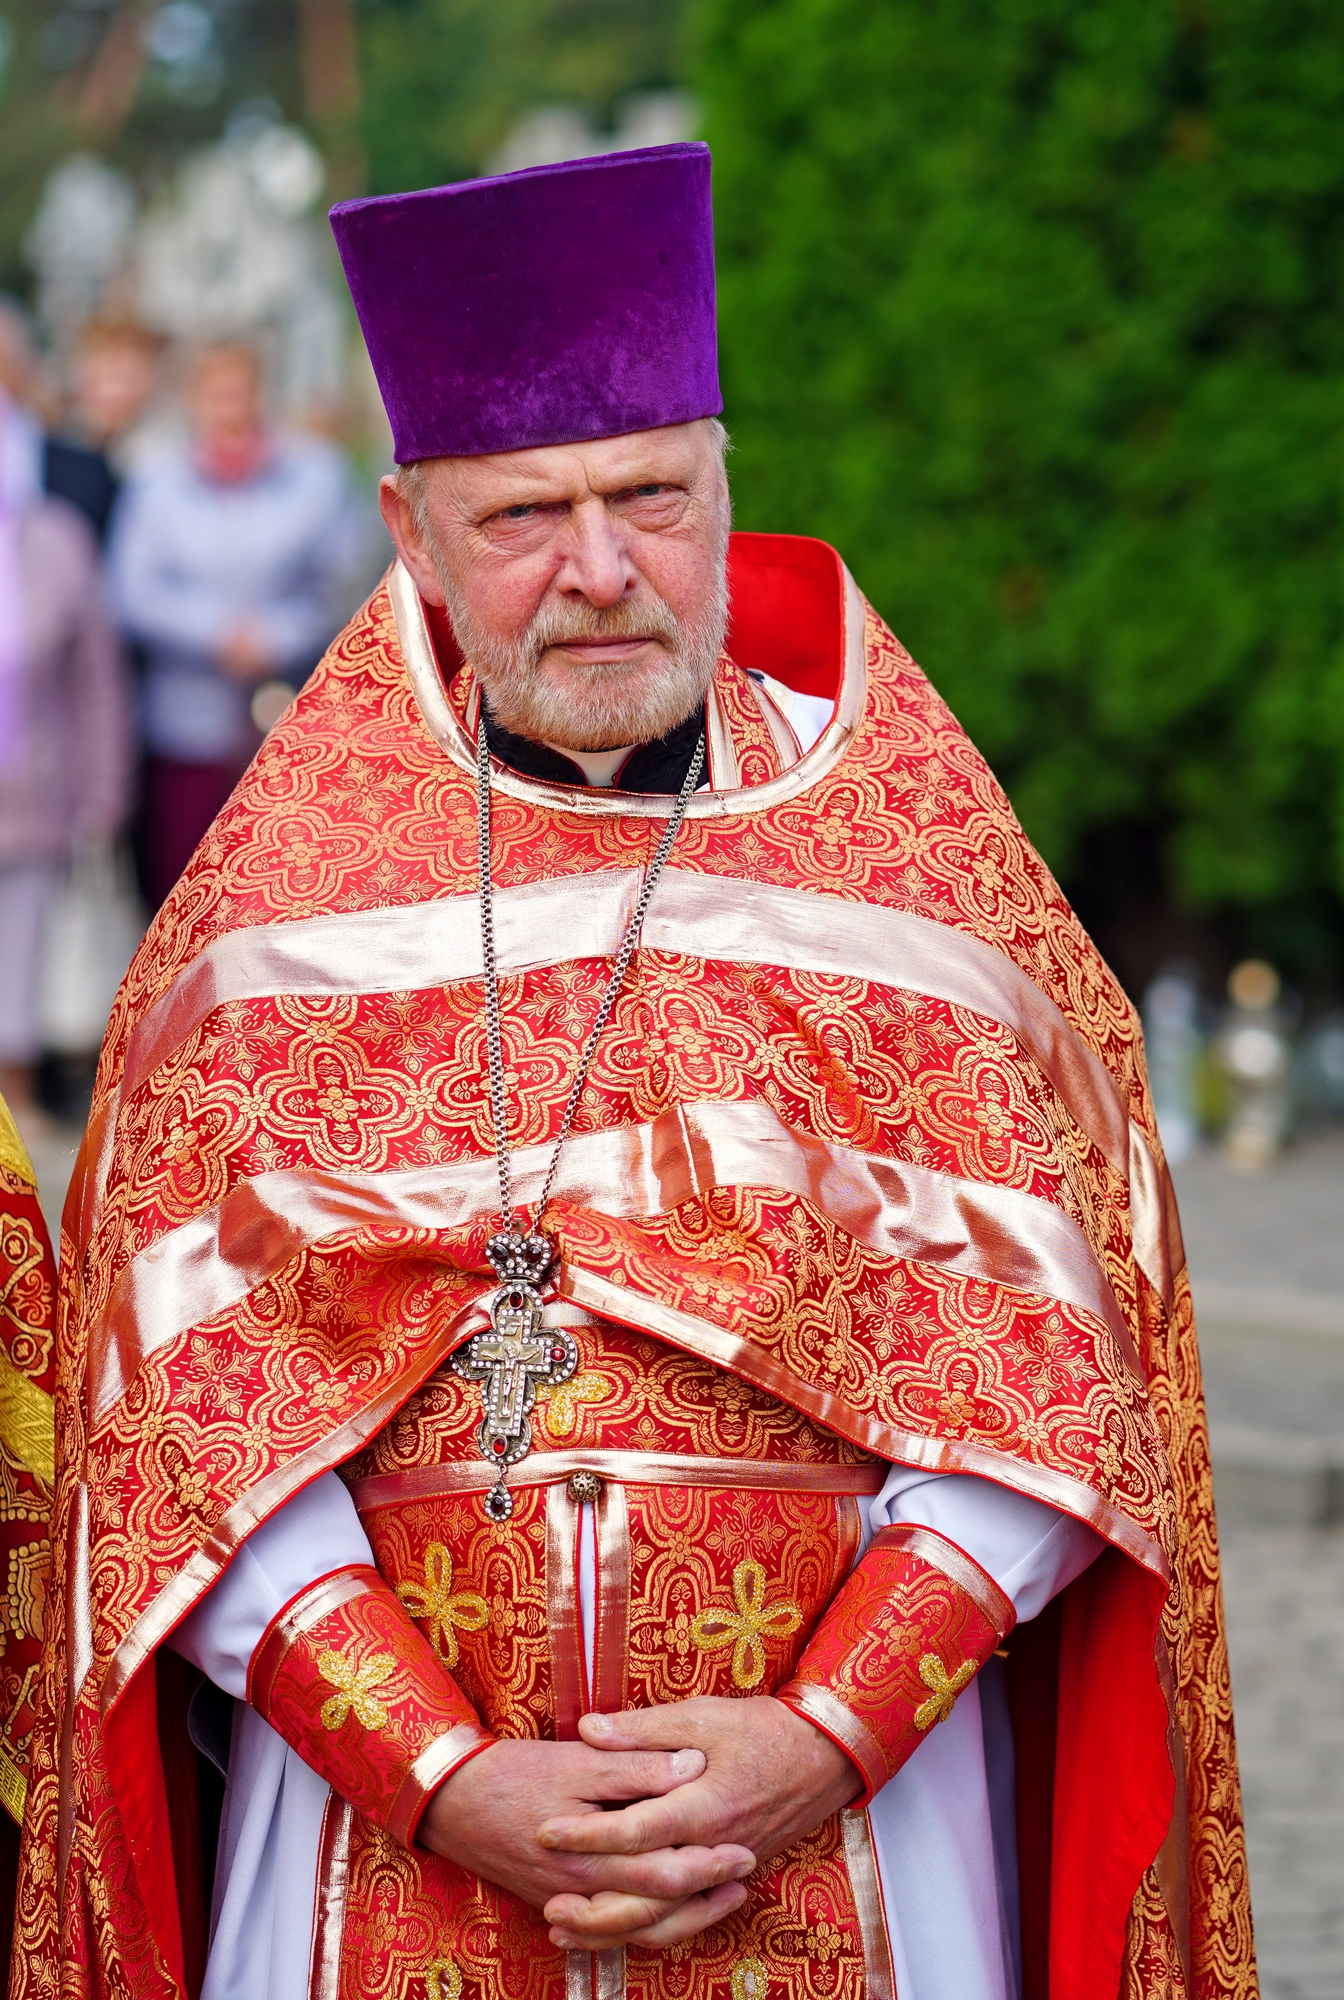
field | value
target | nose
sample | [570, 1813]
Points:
[596, 562]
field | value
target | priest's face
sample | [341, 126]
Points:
[586, 582]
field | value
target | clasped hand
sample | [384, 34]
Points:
[643, 1832]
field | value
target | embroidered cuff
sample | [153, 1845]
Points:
[912, 1626]
[350, 1683]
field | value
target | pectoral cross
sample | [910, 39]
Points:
[516, 1357]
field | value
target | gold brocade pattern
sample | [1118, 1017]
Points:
[798, 1929]
[27, 1473]
[635, 1394]
[1154, 1968]
[748, 1627]
[944, 1688]
[351, 807]
[503, 1661]
[15, 1163]
[690, 1547]
[355, 1685]
[434, 1603]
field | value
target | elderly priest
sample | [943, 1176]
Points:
[629, 1416]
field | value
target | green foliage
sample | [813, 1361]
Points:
[445, 79]
[1033, 307]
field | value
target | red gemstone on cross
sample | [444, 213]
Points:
[499, 1444]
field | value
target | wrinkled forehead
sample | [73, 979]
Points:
[674, 454]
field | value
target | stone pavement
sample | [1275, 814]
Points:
[1267, 1262]
[1285, 1612]
[1267, 1265]
[1266, 1258]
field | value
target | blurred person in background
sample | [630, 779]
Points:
[229, 560]
[114, 377]
[65, 751]
[82, 457]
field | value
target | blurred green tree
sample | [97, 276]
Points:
[85, 77]
[444, 80]
[1033, 307]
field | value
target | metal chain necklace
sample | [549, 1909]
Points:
[517, 1355]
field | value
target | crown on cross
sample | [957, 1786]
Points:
[520, 1259]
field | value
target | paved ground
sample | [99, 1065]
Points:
[1285, 1608]
[1278, 1231]
[1267, 1259]
[1267, 1263]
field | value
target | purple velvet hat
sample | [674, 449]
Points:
[541, 307]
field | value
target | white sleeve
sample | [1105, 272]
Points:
[311, 1535]
[1031, 1550]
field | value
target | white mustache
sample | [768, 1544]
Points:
[567, 624]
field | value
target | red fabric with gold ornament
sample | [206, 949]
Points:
[27, 1465]
[868, 1132]
[345, 1677]
[725, 1523]
[906, 1635]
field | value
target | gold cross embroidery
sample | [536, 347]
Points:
[441, 1607]
[354, 1689]
[443, 1980]
[945, 1689]
[744, 1630]
[562, 1403]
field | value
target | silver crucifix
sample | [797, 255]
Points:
[514, 1358]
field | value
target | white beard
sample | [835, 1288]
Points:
[597, 707]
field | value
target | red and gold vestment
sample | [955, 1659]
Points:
[27, 1471]
[866, 1170]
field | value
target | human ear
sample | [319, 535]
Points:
[399, 516]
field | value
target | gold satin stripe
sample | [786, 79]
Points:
[611, 1636]
[831, 1716]
[578, 1975]
[631, 1468]
[963, 1570]
[1156, 1231]
[609, 1975]
[720, 749]
[782, 733]
[879, 1976]
[13, 1786]
[435, 1763]
[898, 1209]
[27, 1422]
[403, 948]
[333, 1882]
[849, 1530]
[79, 1629]
[413, 947]
[13, 1153]
[564, 1626]
[901, 1447]
[422, 671]
[708, 917]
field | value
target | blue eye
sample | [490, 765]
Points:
[647, 492]
[516, 513]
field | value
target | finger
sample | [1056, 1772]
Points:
[684, 1818]
[608, 1914]
[642, 1774]
[670, 1874]
[660, 1728]
[695, 1914]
